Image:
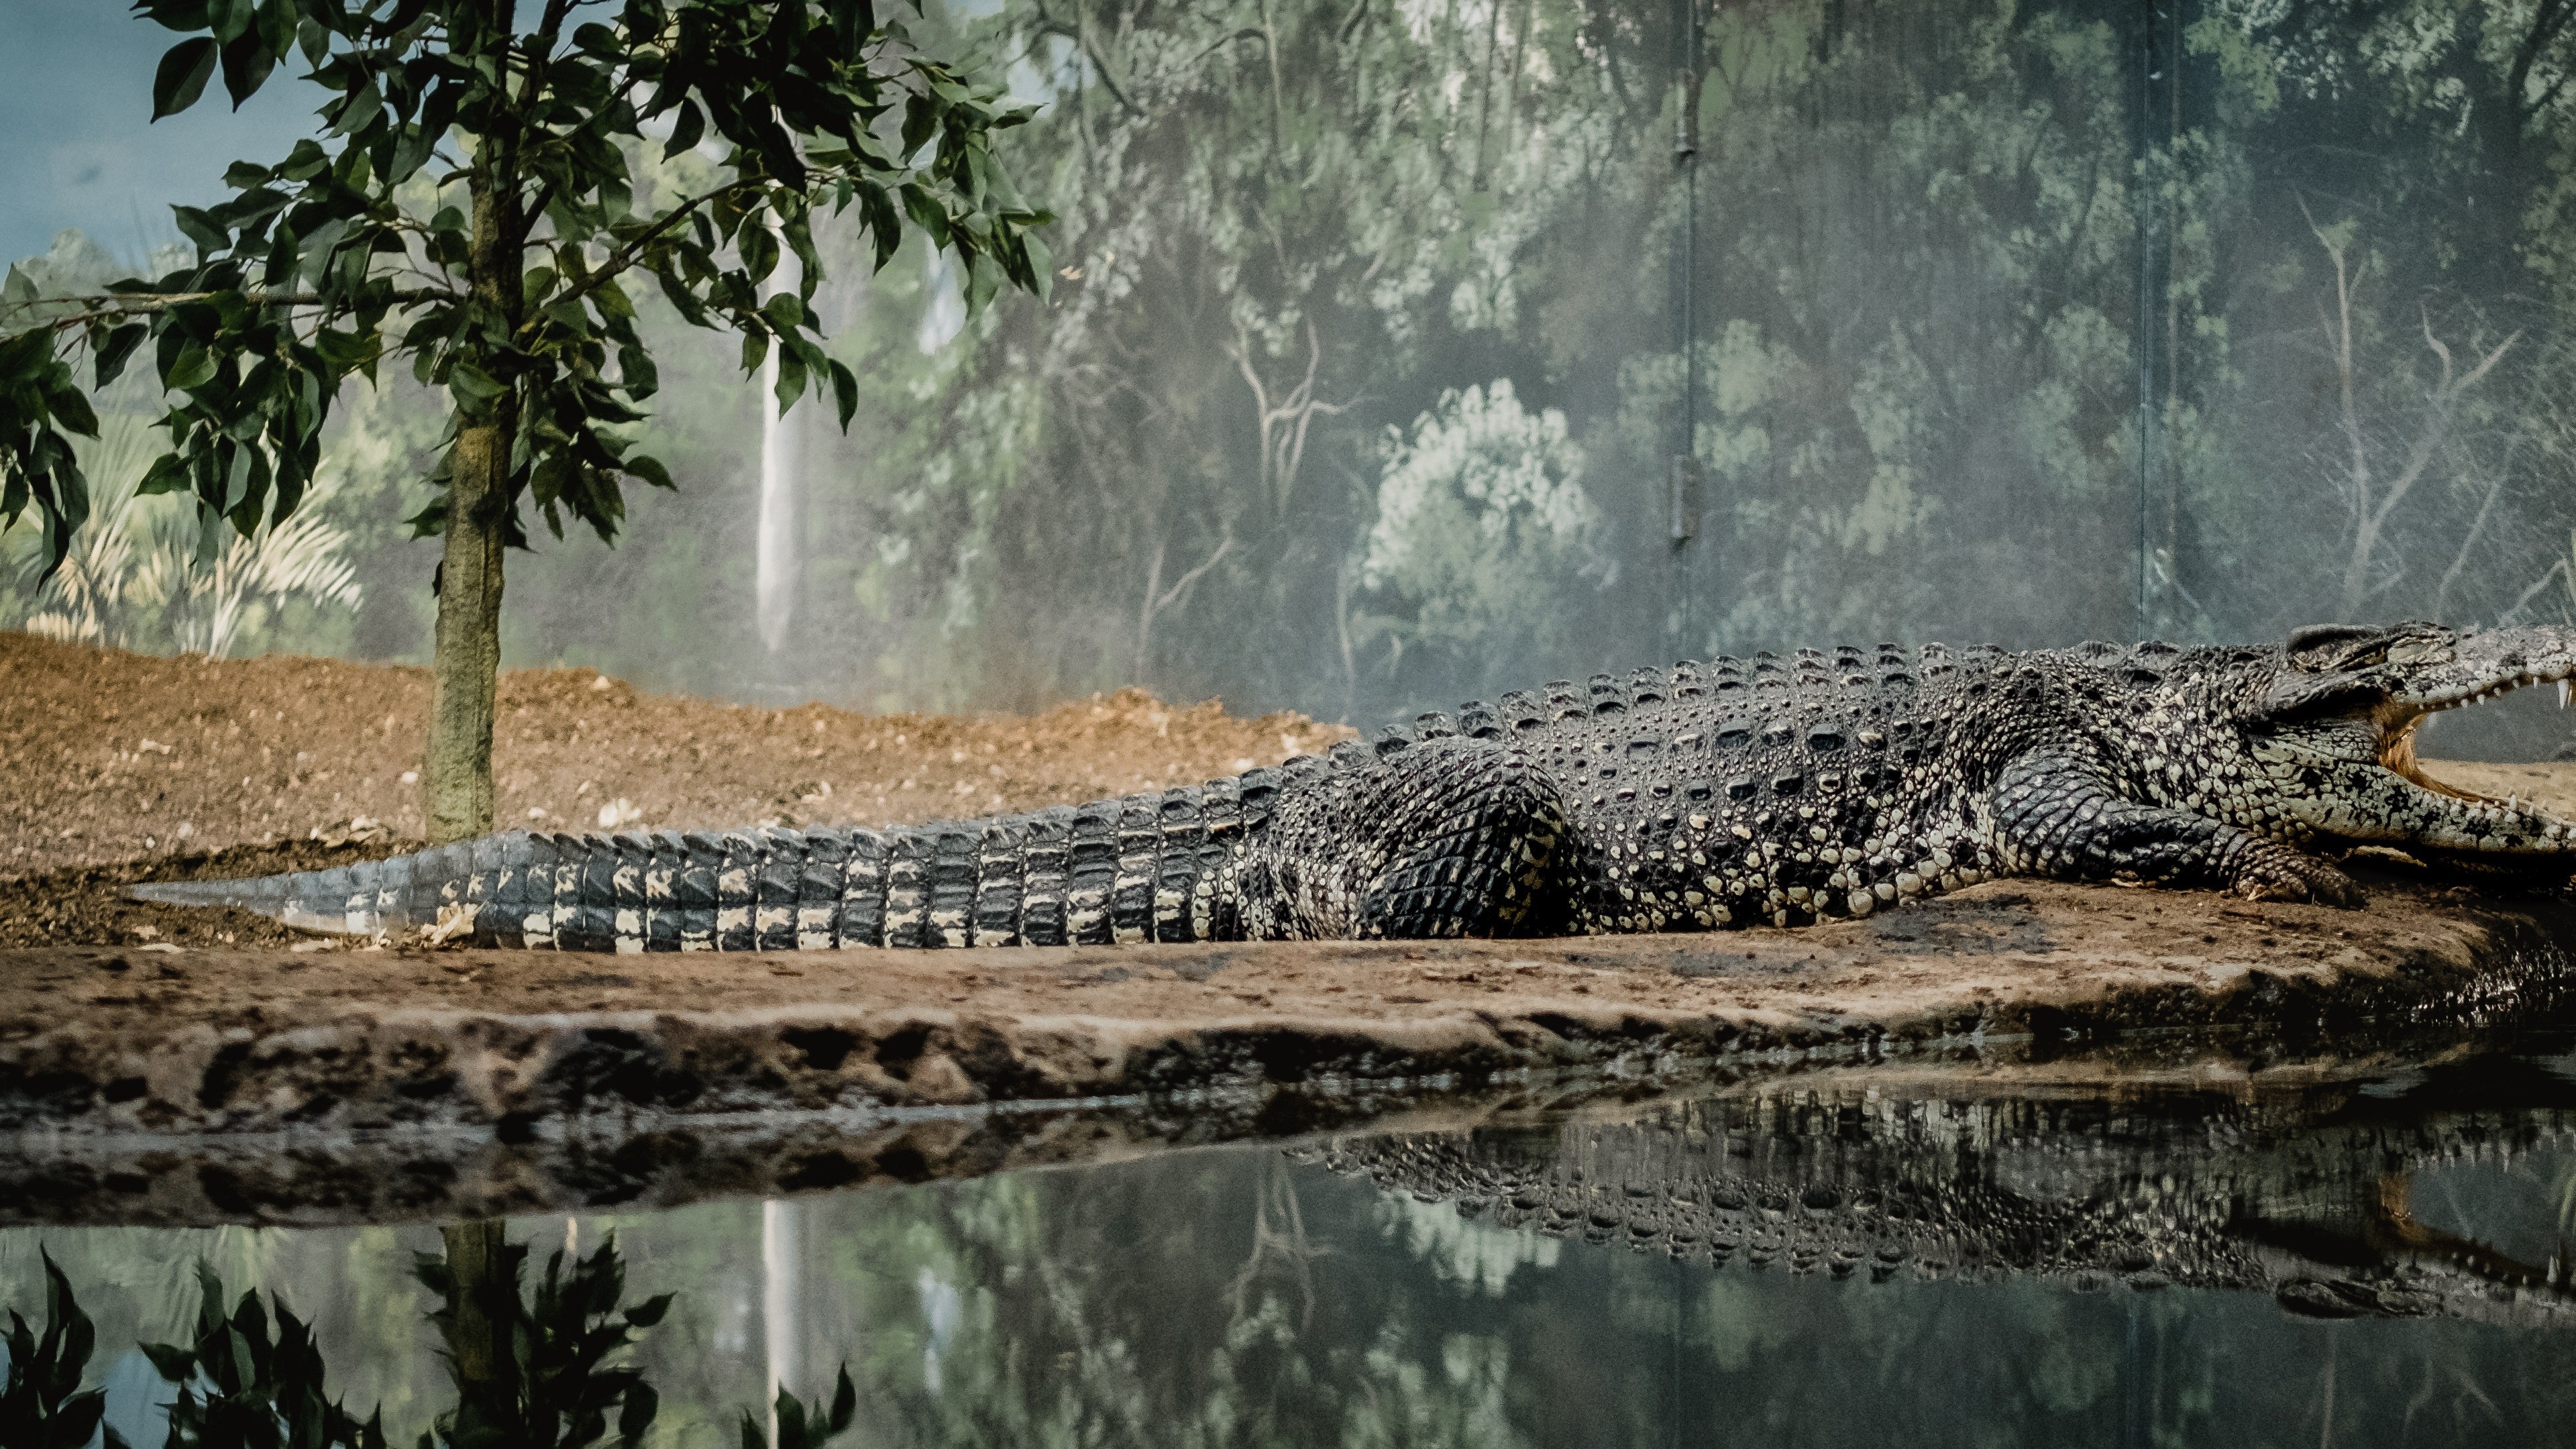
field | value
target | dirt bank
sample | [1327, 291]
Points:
[116, 766]
[163, 1040]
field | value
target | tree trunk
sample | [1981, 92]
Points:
[485, 1362]
[465, 668]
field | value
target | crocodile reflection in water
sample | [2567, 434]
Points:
[2313, 1206]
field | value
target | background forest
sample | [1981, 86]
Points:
[1379, 323]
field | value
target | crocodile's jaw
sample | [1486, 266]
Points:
[2339, 740]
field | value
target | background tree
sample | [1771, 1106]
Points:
[477, 207]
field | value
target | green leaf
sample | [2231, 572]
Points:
[855, 20]
[116, 348]
[473, 383]
[687, 131]
[682, 299]
[650, 469]
[759, 252]
[791, 379]
[637, 373]
[1041, 264]
[845, 392]
[430, 522]
[359, 111]
[983, 279]
[195, 368]
[278, 23]
[168, 474]
[182, 77]
[200, 227]
[72, 410]
[845, 1402]
[229, 19]
[247, 62]
[635, 1415]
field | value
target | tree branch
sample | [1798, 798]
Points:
[100, 307]
[626, 256]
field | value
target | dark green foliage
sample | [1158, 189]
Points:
[249, 1382]
[797, 1429]
[557, 1345]
[476, 208]
[41, 1403]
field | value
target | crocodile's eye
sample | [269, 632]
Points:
[2333, 648]
[2418, 651]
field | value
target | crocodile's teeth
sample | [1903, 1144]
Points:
[2566, 692]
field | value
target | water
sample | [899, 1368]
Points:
[2311, 1253]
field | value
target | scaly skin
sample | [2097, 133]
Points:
[1775, 791]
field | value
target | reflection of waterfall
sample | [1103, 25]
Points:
[782, 1307]
[779, 551]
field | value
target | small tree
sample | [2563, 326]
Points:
[474, 208]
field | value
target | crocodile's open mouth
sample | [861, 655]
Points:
[2461, 819]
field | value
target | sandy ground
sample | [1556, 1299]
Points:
[107, 756]
[118, 767]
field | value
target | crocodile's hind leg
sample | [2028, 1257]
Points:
[1450, 837]
[2061, 819]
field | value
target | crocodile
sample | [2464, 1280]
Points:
[2311, 1202]
[1770, 790]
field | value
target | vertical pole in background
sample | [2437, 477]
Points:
[2169, 527]
[1683, 483]
[2141, 324]
[2156, 332]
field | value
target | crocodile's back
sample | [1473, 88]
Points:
[1712, 794]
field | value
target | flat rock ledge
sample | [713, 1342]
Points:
[200, 1042]
[156, 1085]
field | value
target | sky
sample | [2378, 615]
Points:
[81, 148]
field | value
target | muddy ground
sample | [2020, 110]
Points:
[118, 767]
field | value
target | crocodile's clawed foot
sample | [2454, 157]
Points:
[2289, 877]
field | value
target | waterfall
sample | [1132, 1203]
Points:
[779, 551]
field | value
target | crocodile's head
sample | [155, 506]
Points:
[2332, 724]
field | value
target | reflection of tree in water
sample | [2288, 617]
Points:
[539, 1371]
[1284, 1244]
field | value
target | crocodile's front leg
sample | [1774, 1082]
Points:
[1450, 837]
[2063, 819]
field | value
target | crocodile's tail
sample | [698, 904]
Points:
[1141, 868]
